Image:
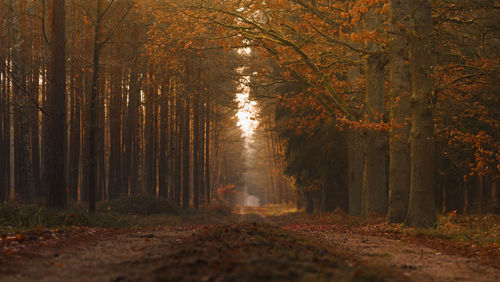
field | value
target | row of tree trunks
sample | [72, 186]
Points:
[125, 126]
[411, 180]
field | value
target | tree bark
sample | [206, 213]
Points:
[149, 138]
[93, 158]
[399, 150]
[185, 152]
[355, 151]
[115, 121]
[422, 206]
[56, 132]
[207, 151]
[178, 148]
[74, 159]
[4, 127]
[374, 175]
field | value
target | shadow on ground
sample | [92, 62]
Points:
[255, 251]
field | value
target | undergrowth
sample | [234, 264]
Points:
[139, 205]
[483, 230]
[137, 211]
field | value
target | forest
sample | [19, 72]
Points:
[253, 140]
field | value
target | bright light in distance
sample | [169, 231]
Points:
[245, 51]
[247, 109]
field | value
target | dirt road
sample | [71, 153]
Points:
[254, 248]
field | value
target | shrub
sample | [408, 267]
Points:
[139, 205]
[29, 217]
[217, 208]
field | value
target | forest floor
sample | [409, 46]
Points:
[252, 244]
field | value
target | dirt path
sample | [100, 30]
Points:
[254, 248]
[418, 263]
[245, 251]
[102, 260]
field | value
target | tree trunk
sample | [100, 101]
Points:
[131, 140]
[309, 203]
[399, 151]
[374, 175]
[355, 151]
[102, 151]
[115, 121]
[74, 159]
[93, 158]
[422, 207]
[4, 131]
[495, 203]
[207, 151]
[197, 167]
[148, 135]
[355, 163]
[178, 148]
[163, 168]
[185, 152]
[56, 132]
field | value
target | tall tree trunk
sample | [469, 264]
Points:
[201, 130]
[4, 129]
[399, 150]
[115, 121]
[56, 132]
[131, 146]
[43, 190]
[35, 122]
[93, 157]
[207, 150]
[494, 196]
[131, 137]
[355, 167]
[163, 163]
[74, 159]
[172, 149]
[196, 141]
[185, 152]
[148, 134]
[374, 176]
[422, 207]
[178, 148]
[100, 135]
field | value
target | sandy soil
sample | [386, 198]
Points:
[418, 263]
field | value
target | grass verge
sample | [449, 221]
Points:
[130, 212]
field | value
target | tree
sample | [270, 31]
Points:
[399, 150]
[374, 198]
[56, 133]
[422, 206]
